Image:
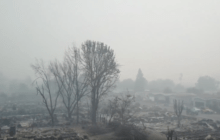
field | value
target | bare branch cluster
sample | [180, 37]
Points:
[70, 75]
[47, 89]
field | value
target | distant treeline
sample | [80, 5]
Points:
[203, 84]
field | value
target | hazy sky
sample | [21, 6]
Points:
[164, 38]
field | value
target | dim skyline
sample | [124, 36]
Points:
[163, 38]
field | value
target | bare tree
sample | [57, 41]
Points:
[63, 76]
[70, 75]
[124, 110]
[47, 88]
[113, 107]
[101, 70]
[73, 57]
[178, 108]
[121, 106]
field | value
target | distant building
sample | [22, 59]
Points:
[160, 97]
[207, 101]
[165, 98]
[189, 99]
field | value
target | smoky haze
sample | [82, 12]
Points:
[166, 39]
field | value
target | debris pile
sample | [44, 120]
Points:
[46, 134]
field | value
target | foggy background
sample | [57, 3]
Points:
[165, 39]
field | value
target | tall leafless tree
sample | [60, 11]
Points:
[101, 70]
[73, 56]
[178, 109]
[70, 75]
[47, 87]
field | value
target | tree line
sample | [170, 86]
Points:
[90, 70]
[203, 84]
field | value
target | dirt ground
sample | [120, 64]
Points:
[152, 135]
[106, 136]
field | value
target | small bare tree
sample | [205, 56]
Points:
[178, 108]
[113, 107]
[47, 90]
[124, 109]
[101, 70]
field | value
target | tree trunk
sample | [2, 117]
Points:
[77, 112]
[93, 109]
[178, 123]
[93, 115]
[69, 115]
[77, 90]
[52, 120]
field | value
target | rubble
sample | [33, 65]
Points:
[35, 124]
[47, 134]
[158, 119]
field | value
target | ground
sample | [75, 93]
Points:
[152, 135]
[107, 136]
